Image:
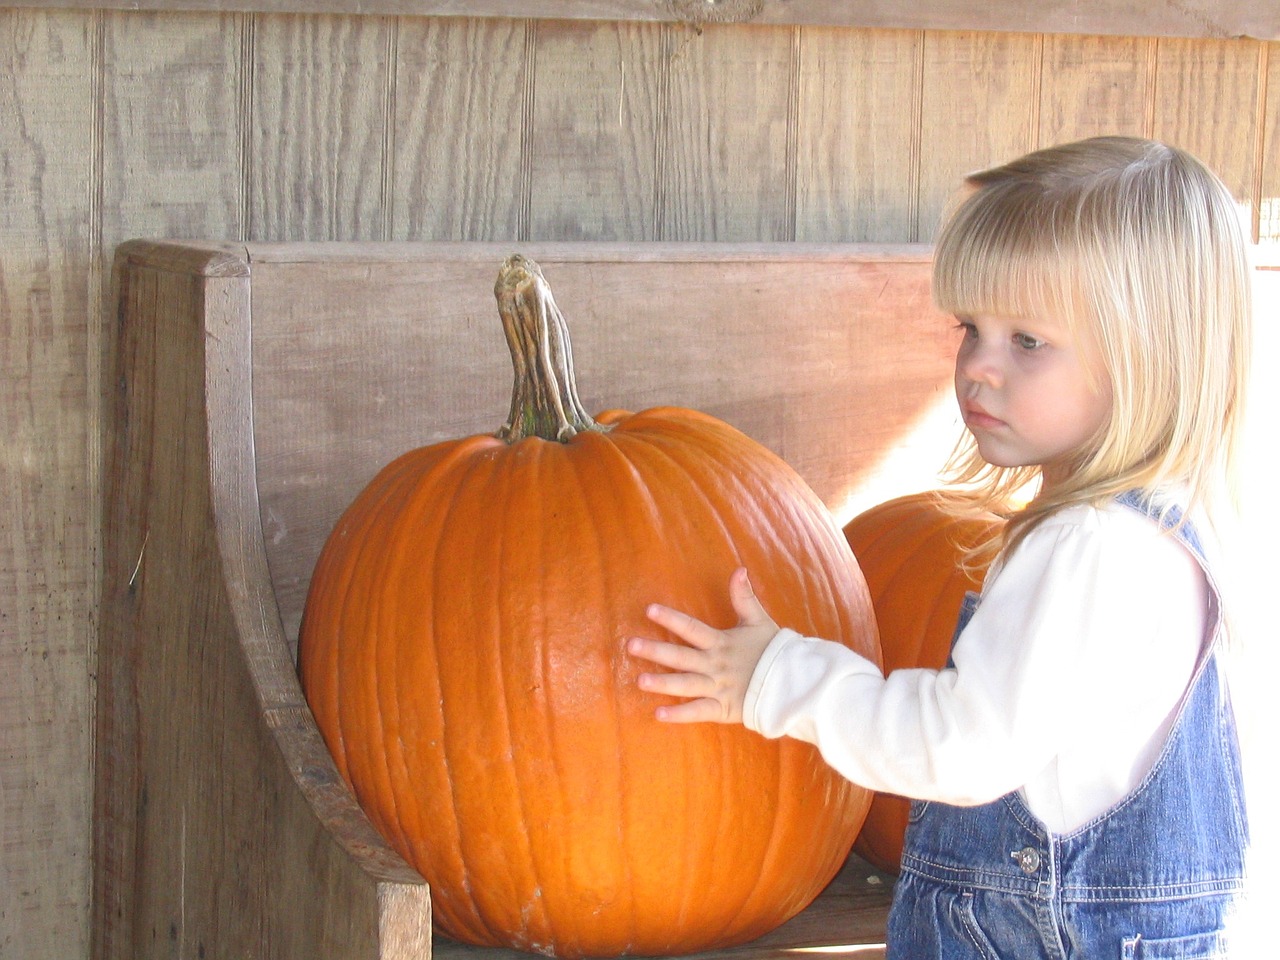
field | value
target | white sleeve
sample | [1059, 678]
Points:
[1029, 668]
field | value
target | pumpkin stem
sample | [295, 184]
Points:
[544, 400]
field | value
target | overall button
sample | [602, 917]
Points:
[1028, 858]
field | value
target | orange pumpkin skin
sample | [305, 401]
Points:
[909, 550]
[462, 650]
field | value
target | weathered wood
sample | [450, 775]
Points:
[319, 126]
[1093, 86]
[727, 166]
[1195, 83]
[1190, 18]
[599, 112]
[155, 180]
[970, 80]
[221, 825]
[460, 107]
[48, 461]
[1266, 213]
[857, 146]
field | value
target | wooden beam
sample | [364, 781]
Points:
[1222, 19]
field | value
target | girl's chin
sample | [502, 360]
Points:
[1005, 459]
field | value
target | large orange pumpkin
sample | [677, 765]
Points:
[910, 550]
[462, 650]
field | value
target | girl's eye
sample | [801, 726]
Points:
[1027, 342]
[968, 329]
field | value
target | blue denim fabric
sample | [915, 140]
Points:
[1153, 878]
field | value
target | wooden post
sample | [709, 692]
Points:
[222, 828]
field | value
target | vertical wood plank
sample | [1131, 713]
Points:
[727, 172]
[318, 130]
[1268, 200]
[857, 163]
[171, 148]
[1206, 101]
[223, 829]
[979, 107]
[1093, 86]
[47, 62]
[459, 116]
[592, 156]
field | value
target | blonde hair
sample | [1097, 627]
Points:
[1137, 245]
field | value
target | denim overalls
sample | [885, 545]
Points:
[1156, 876]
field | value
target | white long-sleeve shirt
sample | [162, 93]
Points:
[1063, 686]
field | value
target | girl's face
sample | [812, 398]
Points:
[1029, 392]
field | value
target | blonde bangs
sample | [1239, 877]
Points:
[1008, 256]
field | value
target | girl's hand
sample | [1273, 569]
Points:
[713, 672]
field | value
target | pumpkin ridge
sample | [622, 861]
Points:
[893, 529]
[657, 440]
[368, 565]
[339, 570]
[606, 453]
[625, 449]
[456, 458]
[377, 566]
[463, 912]
[655, 443]
[781, 772]
[342, 576]
[750, 478]
[527, 468]
[550, 856]
[658, 445]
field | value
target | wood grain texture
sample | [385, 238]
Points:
[222, 827]
[461, 89]
[1192, 18]
[1206, 101]
[846, 920]
[319, 126]
[980, 106]
[47, 466]
[727, 171]
[1267, 213]
[1094, 85]
[596, 117]
[857, 144]
[173, 156]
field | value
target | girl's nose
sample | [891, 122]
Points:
[979, 363]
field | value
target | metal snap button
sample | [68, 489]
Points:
[1028, 858]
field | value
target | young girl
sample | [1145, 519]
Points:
[1074, 769]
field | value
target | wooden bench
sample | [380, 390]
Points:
[254, 389]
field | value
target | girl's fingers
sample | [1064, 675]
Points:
[705, 710]
[684, 685]
[684, 659]
[745, 603]
[689, 629]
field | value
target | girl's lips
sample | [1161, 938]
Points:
[975, 416]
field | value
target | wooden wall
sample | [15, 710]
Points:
[276, 126]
